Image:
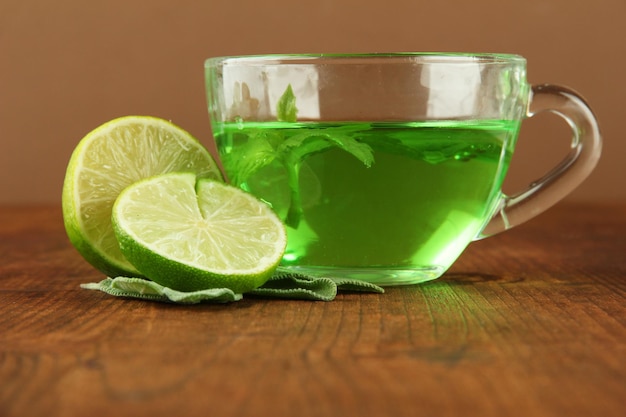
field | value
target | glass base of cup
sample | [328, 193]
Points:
[384, 277]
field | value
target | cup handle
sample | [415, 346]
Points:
[568, 174]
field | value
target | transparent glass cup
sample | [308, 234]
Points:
[384, 167]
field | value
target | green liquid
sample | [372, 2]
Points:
[391, 203]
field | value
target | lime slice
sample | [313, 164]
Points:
[191, 235]
[106, 161]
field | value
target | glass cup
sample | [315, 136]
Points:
[384, 167]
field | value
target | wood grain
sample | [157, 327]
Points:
[528, 323]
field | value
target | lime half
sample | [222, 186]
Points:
[193, 234]
[109, 159]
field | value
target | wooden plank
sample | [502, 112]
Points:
[531, 322]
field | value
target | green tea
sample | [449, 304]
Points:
[391, 203]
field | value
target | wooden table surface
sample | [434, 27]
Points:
[531, 322]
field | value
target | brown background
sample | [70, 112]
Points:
[66, 66]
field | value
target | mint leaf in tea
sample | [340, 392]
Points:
[286, 110]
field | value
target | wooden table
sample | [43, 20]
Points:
[528, 323]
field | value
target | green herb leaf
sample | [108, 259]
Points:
[286, 110]
[282, 284]
[294, 150]
[304, 144]
[258, 152]
[149, 290]
[261, 149]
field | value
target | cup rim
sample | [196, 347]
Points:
[328, 58]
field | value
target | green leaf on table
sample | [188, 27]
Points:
[282, 284]
[150, 290]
